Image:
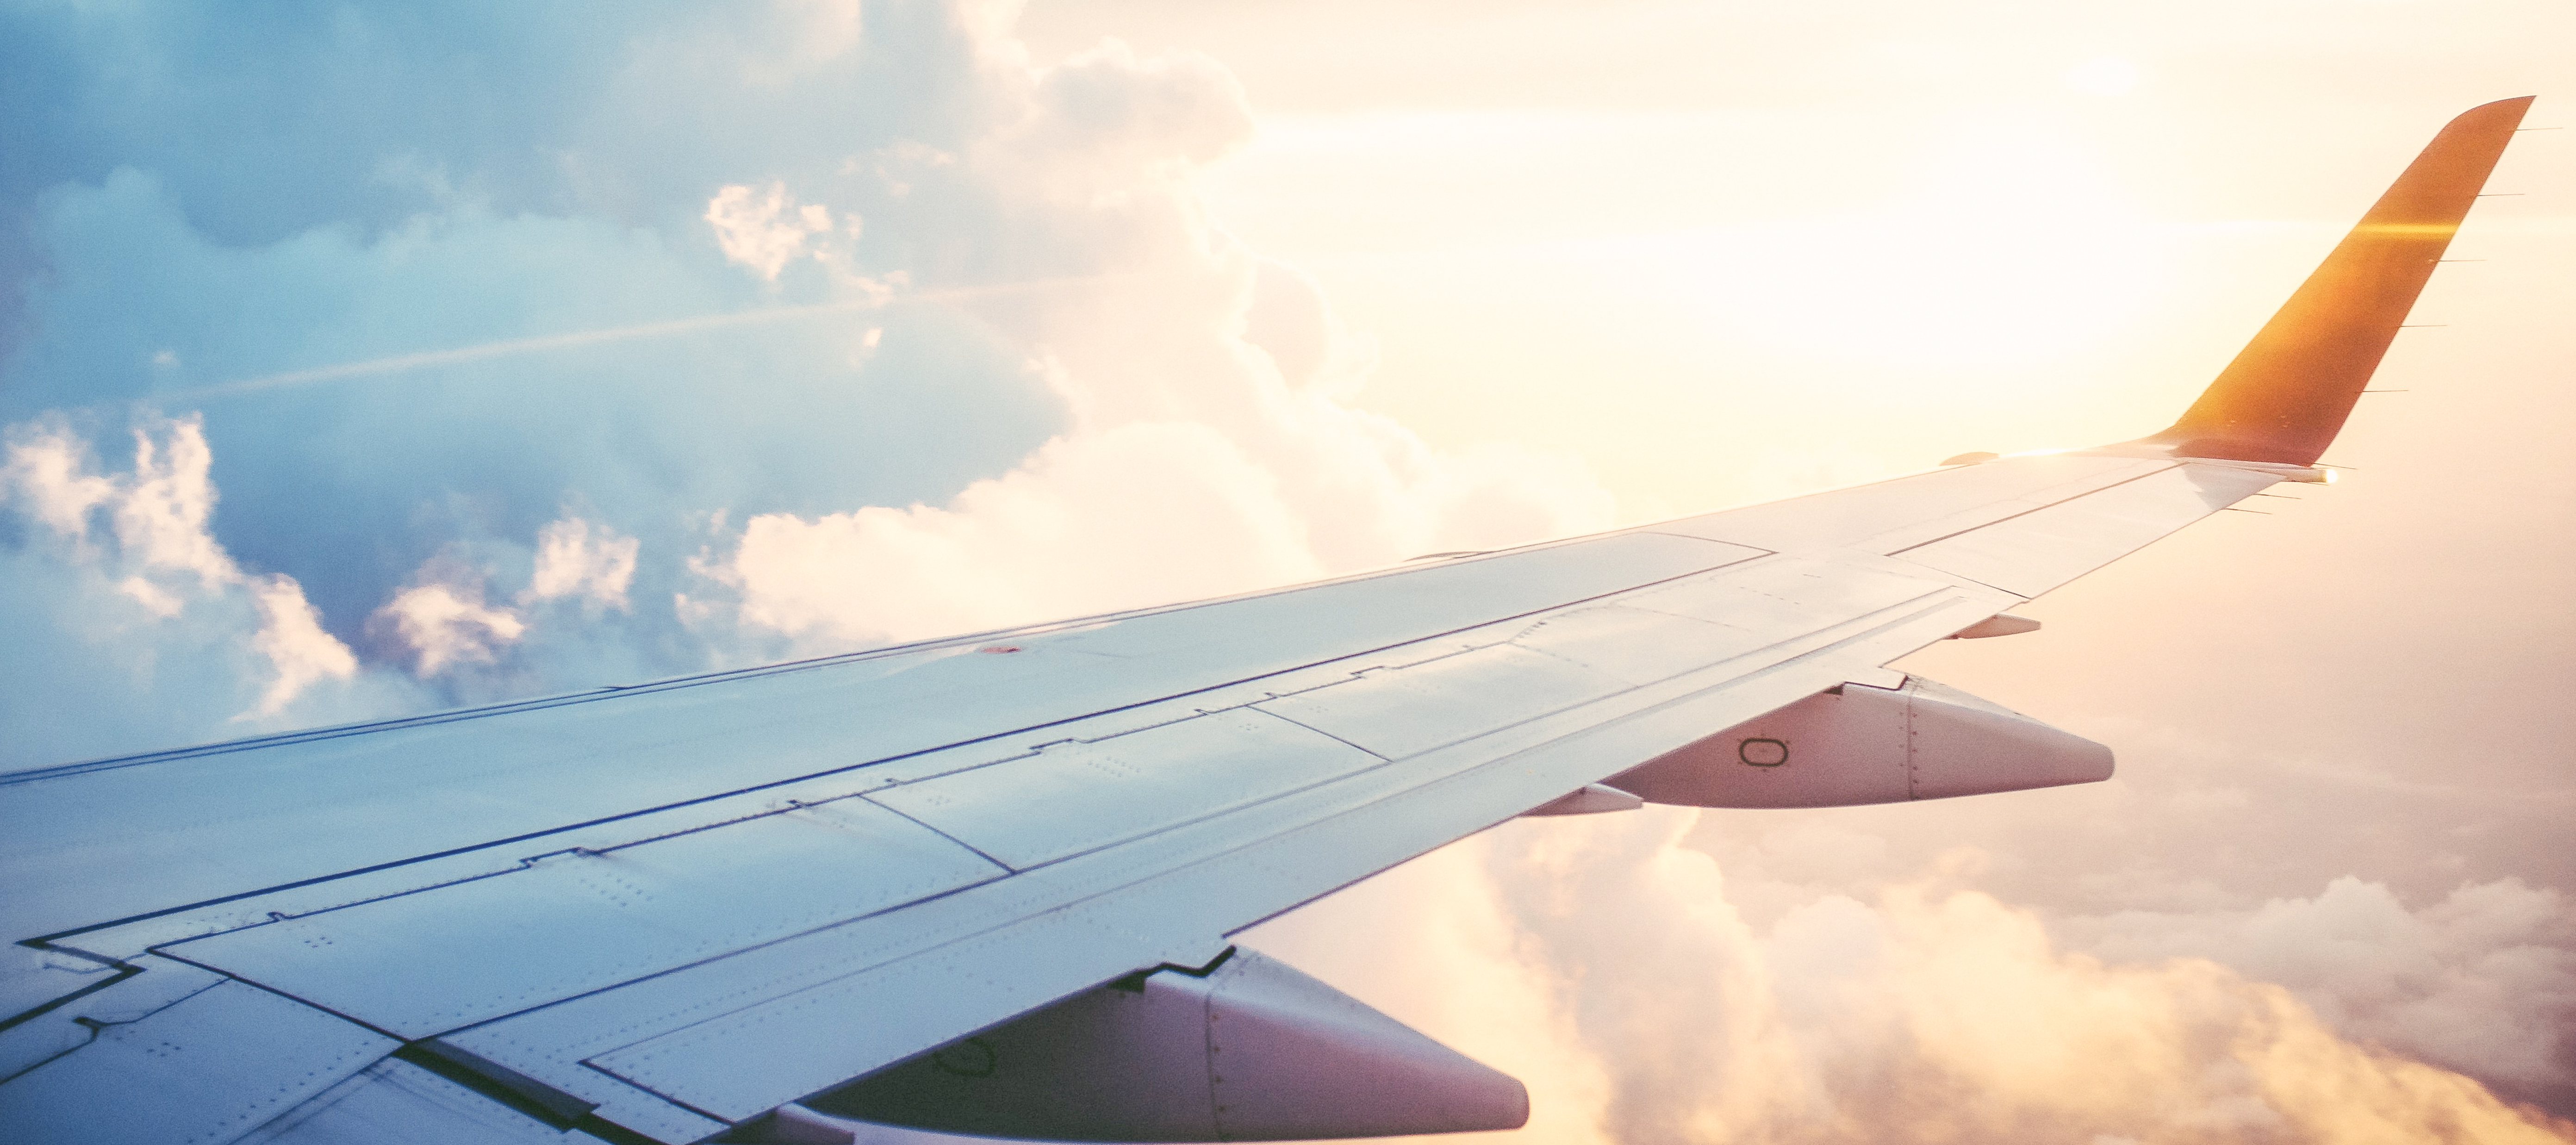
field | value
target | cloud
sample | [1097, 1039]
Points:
[1040, 542]
[1143, 513]
[1030, 365]
[291, 637]
[47, 473]
[765, 231]
[2304, 873]
[2483, 980]
[579, 558]
[130, 621]
[1289, 319]
[442, 622]
[1928, 1012]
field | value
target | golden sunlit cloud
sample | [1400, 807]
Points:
[1608, 963]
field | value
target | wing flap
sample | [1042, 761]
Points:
[246, 1055]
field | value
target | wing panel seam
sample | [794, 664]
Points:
[1760, 554]
[1899, 553]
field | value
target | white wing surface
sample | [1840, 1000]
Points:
[663, 912]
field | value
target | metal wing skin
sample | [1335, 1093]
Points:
[663, 912]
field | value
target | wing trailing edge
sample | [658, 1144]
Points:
[2287, 393]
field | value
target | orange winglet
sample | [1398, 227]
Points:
[2289, 390]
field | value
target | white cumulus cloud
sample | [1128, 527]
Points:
[158, 552]
[764, 230]
[1209, 449]
[1144, 514]
[1646, 1007]
[584, 559]
[442, 623]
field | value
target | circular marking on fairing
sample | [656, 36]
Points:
[970, 1058]
[1762, 752]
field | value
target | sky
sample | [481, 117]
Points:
[360, 361]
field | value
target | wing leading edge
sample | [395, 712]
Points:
[668, 912]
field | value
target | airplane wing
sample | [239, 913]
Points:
[985, 884]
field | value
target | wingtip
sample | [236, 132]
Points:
[2513, 109]
[2287, 393]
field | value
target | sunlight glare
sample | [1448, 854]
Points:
[2014, 249]
[2103, 76]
